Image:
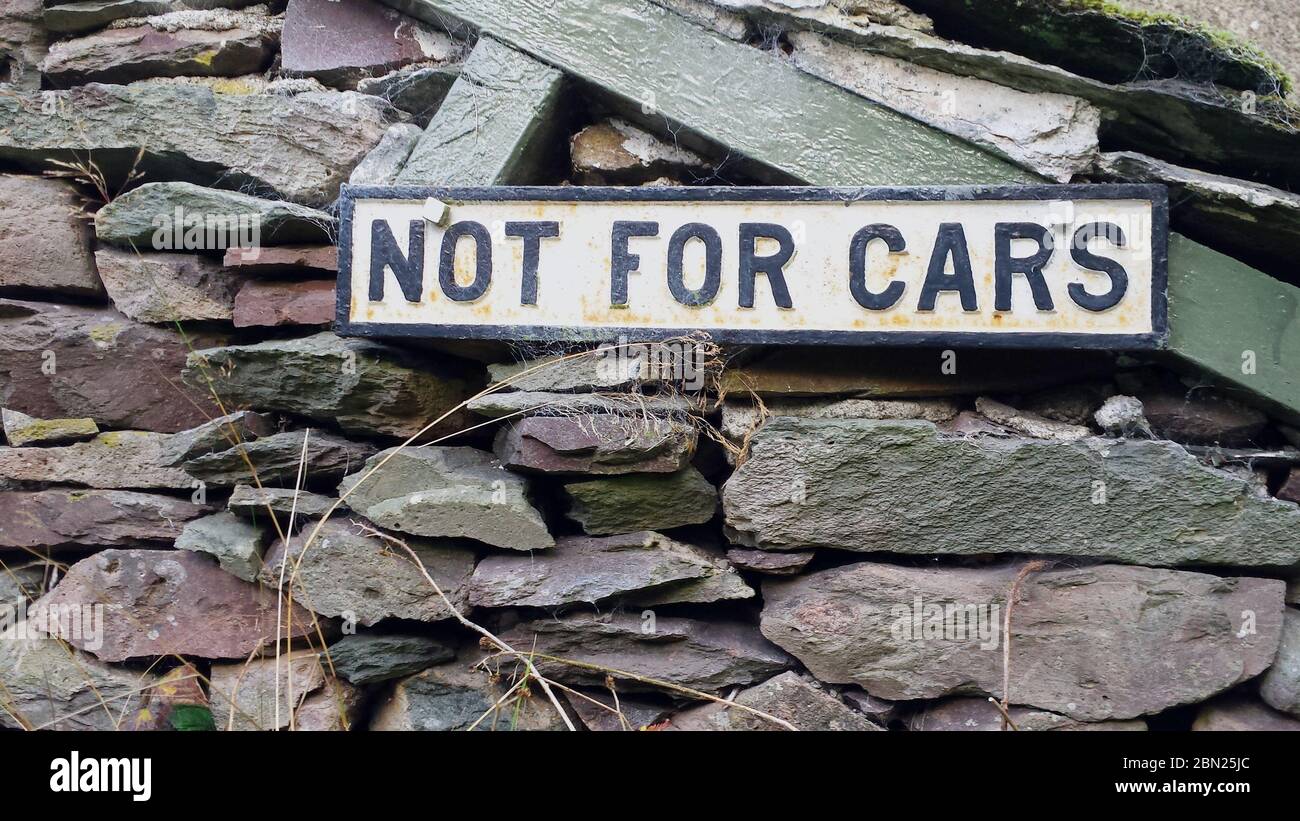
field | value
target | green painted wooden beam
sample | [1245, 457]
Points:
[1223, 314]
[780, 124]
[496, 125]
[1232, 321]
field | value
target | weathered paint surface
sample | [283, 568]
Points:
[662, 68]
[695, 288]
[494, 125]
[1238, 323]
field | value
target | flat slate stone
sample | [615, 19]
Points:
[276, 458]
[1254, 222]
[133, 220]
[362, 386]
[167, 288]
[269, 304]
[49, 686]
[22, 430]
[171, 602]
[722, 583]
[86, 15]
[252, 502]
[1027, 423]
[856, 14]
[455, 695]
[368, 657]
[44, 247]
[586, 570]
[607, 370]
[708, 656]
[595, 444]
[724, 21]
[243, 695]
[1093, 644]
[454, 492]
[495, 124]
[623, 504]
[630, 714]
[879, 710]
[316, 137]
[1107, 42]
[770, 562]
[978, 715]
[336, 708]
[213, 43]
[340, 43]
[80, 15]
[741, 419]
[905, 487]
[789, 697]
[117, 459]
[1050, 134]
[77, 16]
[346, 573]
[221, 433]
[236, 544]
[94, 352]
[284, 259]
[61, 518]
[509, 403]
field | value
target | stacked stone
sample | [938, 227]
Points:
[290, 529]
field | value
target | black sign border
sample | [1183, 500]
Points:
[1156, 194]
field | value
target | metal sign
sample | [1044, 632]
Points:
[1070, 266]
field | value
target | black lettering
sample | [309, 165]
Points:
[950, 241]
[772, 266]
[532, 233]
[1005, 265]
[482, 261]
[858, 266]
[621, 261]
[1086, 259]
[408, 268]
[712, 264]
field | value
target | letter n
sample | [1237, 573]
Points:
[408, 268]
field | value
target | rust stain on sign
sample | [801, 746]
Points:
[1076, 266]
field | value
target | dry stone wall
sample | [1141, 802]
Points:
[235, 519]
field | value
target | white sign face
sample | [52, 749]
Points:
[1077, 266]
